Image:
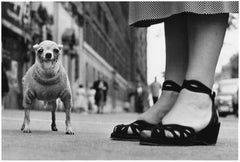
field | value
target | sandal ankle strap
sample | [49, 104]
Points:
[169, 85]
[196, 86]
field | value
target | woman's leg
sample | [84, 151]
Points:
[176, 65]
[205, 35]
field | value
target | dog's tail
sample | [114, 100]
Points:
[46, 104]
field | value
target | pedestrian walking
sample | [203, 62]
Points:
[101, 88]
[90, 96]
[194, 34]
[155, 87]
[139, 99]
[81, 100]
[235, 103]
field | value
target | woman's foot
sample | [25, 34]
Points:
[191, 121]
[155, 113]
[191, 109]
[151, 117]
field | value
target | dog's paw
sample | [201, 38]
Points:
[26, 130]
[54, 128]
[23, 126]
[69, 131]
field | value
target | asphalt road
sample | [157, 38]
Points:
[91, 140]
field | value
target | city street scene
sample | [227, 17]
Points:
[72, 71]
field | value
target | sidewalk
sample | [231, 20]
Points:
[91, 140]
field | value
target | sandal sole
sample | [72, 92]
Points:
[124, 138]
[173, 143]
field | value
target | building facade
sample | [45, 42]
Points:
[96, 37]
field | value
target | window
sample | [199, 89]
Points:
[106, 24]
[99, 13]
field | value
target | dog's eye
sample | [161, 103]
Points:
[56, 50]
[40, 51]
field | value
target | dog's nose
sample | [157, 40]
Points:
[48, 55]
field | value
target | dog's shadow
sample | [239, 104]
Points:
[33, 132]
[43, 133]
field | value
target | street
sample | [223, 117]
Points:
[91, 140]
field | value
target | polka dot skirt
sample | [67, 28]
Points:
[148, 13]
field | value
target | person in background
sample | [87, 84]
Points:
[90, 97]
[81, 101]
[155, 87]
[141, 98]
[101, 88]
[139, 106]
[235, 103]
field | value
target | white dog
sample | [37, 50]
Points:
[47, 80]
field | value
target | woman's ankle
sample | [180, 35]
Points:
[155, 113]
[191, 109]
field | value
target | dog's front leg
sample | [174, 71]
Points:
[27, 102]
[26, 123]
[53, 105]
[69, 129]
[67, 102]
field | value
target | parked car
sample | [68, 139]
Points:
[227, 97]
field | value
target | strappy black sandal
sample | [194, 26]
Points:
[182, 135]
[121, 132]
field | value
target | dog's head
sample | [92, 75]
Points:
[48, 54]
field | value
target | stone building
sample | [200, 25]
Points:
[15, 42]
[96, 37]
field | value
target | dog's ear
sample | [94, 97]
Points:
[60, 46]
[36, 46]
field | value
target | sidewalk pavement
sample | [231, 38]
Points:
[91, 140]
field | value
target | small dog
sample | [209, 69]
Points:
[47, 80]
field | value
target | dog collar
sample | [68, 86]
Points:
[46, 81]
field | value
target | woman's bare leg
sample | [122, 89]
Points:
[176, 65]
[205, 35]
